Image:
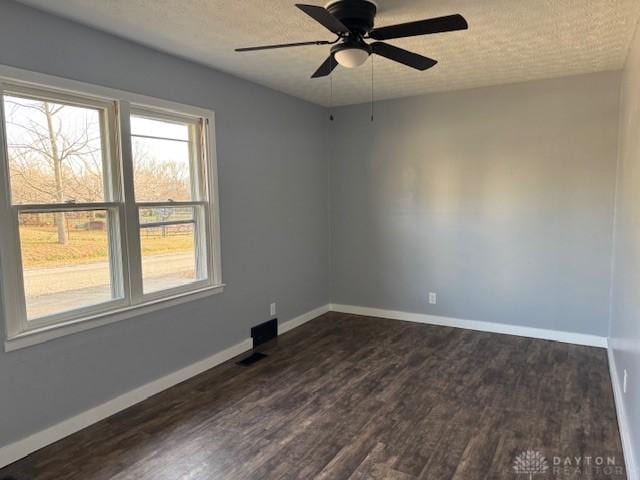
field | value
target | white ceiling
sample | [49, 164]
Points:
[507, 41]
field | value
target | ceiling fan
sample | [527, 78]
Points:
[353, 22]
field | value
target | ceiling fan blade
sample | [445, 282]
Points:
[282, 45]
[403, 56]
[449, 23]
[322, 16]
[326, 68]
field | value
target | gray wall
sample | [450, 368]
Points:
[498, 199]
[273, 193]
[624, 332]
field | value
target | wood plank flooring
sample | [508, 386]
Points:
[355, 398]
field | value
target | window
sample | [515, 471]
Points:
[109, 205]
[169, 196]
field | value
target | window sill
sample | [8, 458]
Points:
[44, 334]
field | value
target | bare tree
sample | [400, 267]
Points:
[57, 168]
[53, 158]
[156, 180]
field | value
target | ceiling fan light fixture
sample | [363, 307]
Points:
[351, 57]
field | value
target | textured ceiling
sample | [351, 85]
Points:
[507, 41]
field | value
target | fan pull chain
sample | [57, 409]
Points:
[372, 88]
[331, 88]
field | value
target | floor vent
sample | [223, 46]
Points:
[251, 359]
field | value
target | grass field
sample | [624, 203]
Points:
[40, 247]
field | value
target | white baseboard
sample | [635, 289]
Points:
[558, 336]
[301, 319]
[623, 422]
[22, 448]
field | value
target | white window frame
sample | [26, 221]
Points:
[117, 106]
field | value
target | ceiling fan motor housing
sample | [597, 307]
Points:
[357, 15]
[351, 43]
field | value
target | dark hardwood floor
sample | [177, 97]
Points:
[349, 397]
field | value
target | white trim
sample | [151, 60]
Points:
[630, 461]
[541, 333]
[22, 448]
[14, 311]
[34, 337]
[302, 319]
[209, 147]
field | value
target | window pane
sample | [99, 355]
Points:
[162, 164]
[55, 152]
[168, 256]
[65, 258]
[159, 128]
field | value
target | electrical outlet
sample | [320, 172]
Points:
[433, 298]
[624, 381]
[272, 309]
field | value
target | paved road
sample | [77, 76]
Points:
[64, 288]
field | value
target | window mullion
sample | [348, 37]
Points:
[118, 254]
[167, 223]
[187, 203]
[131, 218]
[63, 207]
